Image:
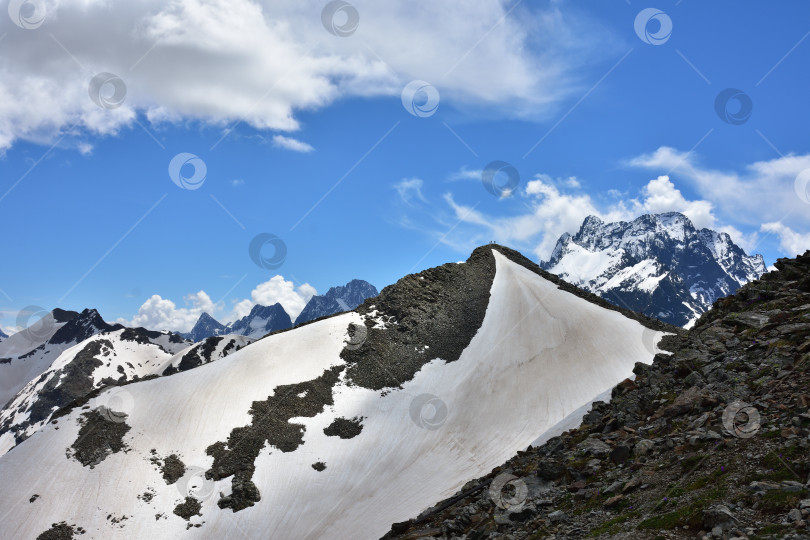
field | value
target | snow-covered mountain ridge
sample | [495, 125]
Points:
[657, 264]
[337, 428]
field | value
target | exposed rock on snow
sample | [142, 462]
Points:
[455, 372]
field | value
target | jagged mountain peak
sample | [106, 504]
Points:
[63, 316]
[261, 321]
[336, 300]
[658, 264]
[205, 327]
[81, 327]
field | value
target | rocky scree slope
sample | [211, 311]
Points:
[658, 264]
[710, 441]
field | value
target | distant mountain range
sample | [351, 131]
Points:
[337, 300]
[265, 319]
[658, 264]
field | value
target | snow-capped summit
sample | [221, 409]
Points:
[258, 323]
[334, 429]
[657, 264]
[337, 300]
[261, 321]
[205, 327]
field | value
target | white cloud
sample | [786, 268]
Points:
[661, 195]
[263, 61]
[288, 143]
[410, 189]
[158, 313]
[276, 290]
[791, 242]
[466, 174]
[765, 191]
[236, 182]
[553, 211]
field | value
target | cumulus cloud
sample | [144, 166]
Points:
[792, 243]
[261, 62]
[288, 143]
[551, 212]
[159, 313]
[276, 290]
[661, 195]
[551, 207]
[764, 191]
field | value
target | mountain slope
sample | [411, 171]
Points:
[313, 432]
[32, 351]
[658, 264]
[708, 442]
[112, 357]
[35, 335]
[337, 300]
[204, 352]
[3, 335]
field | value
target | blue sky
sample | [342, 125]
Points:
[304, 136]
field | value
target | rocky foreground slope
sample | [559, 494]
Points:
[710, 441]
